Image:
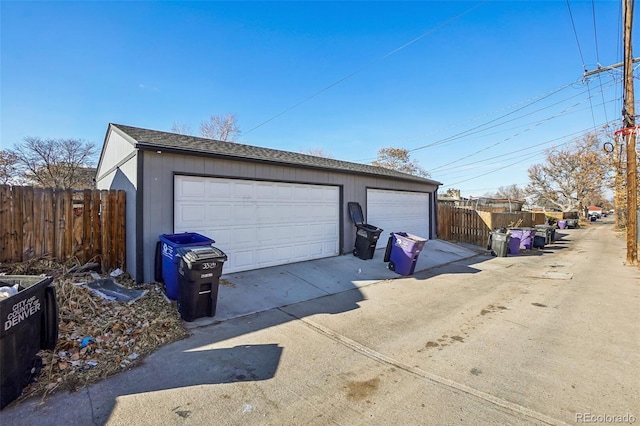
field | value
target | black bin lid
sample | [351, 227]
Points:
[355, 211]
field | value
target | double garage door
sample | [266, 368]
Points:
[259, 223]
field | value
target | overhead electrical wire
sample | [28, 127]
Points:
[446, 171]
[461, 169]
[506, 139]
[490, 172]
[368, 65]
[533, 155]
[512, 136]
[573, 24]
[595, 40]
[442, 141]
[486, 162]
[462, 136]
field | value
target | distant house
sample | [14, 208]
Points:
[495, 205]
[594, 211]
[452, 198]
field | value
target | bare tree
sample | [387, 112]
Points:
[316, 152]
[181, 128]
[511, 192]
[400, 160]
[63, 163]
[8, 168]
[221, 128]
[571, 176]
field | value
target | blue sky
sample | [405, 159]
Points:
[475, 90]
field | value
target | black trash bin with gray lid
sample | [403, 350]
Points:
[548, 231]
[29, 322]
[199, 274]
[366, 235]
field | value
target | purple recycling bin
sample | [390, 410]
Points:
[402, 252]
[514, 241]
[526, 236]
[562, 224]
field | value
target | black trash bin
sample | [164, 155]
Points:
[499, 243]
[366, 235]
[572, 223]
[540, 238]
[199, 273]
[29, 322]
[549, 233]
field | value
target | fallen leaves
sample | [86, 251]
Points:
[99, 338]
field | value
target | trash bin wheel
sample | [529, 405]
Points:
[392, 266]
[31, 373]
[355, 252]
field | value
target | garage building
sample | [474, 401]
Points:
[263, 207]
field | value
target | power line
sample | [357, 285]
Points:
[595, 31]
[458, 137]
[573, 25]
[504, 140]
[529, 156]
[368, 65]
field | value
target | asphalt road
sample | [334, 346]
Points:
[551, 338]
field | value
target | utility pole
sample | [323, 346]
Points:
[629, 124]
[629, 132]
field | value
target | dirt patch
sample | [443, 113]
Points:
[357, 391]
[431, 345]
[492, 308]
[226, 283]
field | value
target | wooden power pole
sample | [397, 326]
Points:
[629, 126]
[629, 132]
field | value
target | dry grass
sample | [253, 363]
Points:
[97, 337]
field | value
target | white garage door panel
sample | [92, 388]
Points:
[398, 211]
[259, 224]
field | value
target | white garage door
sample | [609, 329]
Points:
[398, 211]
[259, 224]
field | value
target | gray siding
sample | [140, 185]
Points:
[118, 169]
[157, 207]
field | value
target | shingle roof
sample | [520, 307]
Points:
[157, 140]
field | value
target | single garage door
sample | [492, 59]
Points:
[258, 223]
[398, 211]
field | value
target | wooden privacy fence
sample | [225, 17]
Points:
[472, 226]
[461, 225]
[62, 223]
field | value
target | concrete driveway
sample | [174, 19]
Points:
[544, 338]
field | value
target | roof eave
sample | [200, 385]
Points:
[176, 150]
